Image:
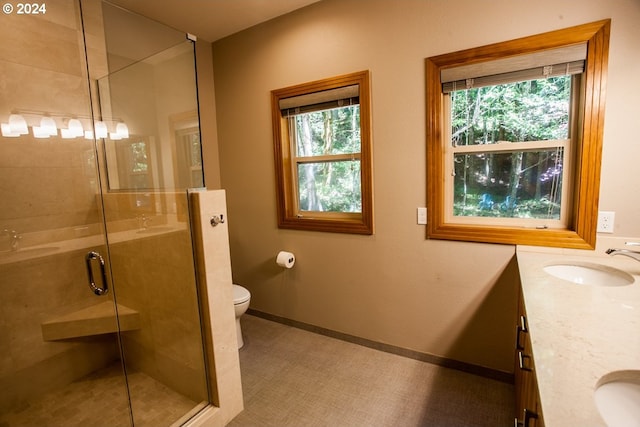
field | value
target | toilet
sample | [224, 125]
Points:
[241, 298]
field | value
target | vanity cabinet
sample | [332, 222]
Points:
[528, 408]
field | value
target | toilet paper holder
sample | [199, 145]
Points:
[285, 259]
[217, 219]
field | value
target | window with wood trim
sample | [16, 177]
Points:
[514, 139]
[322, 146]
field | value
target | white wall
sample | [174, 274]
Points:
[451, 299]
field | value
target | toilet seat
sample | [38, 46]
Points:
[240, 295]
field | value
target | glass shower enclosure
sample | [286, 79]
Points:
[98, 299]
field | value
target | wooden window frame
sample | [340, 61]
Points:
[581, 232]
[289, 216]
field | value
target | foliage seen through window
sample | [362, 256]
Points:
[518, 181]
[332, 184]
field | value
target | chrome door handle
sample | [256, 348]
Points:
[91, 256]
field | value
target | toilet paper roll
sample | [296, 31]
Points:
[285, 259]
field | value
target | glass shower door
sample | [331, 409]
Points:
[149, 233]
[60, 360]
[150, 156]
[98, 301]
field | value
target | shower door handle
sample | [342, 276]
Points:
[92, 256]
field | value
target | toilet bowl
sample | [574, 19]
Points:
[241, 298]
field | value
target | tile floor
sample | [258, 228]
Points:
[296, 378]
[99, 400]
[292, 378]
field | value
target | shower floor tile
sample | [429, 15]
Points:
[100, 400]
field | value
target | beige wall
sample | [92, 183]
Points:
[449, 299]
[44, 185]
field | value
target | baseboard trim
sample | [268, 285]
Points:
[469, 368]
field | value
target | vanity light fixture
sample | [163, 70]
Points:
[101, 129]
[49, 125]
[18, 124]
[39, 132]
[46, 129]
[122, 130]
[67, 134]
[6, 131]
[75, 127]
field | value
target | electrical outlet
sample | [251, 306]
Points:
[422, 216]
[605, 221]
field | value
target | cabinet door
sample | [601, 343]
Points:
[528, 410]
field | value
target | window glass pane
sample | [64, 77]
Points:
[326, 132]
[330, 186]
[534, 110]
[193, 139]
[521, 184]
[138, 157]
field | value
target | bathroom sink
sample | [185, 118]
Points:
[584, 273]
[617, 398]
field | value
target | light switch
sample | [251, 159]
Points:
[422, 216]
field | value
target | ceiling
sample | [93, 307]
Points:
[211, 20]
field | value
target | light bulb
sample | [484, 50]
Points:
[122, 130]
[101, 129]
[75, 127]
[67, 134]
[40, 132]
[18, 124]
[48, 125]
[7, 132]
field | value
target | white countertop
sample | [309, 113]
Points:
[53, 246]
[579, 333]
